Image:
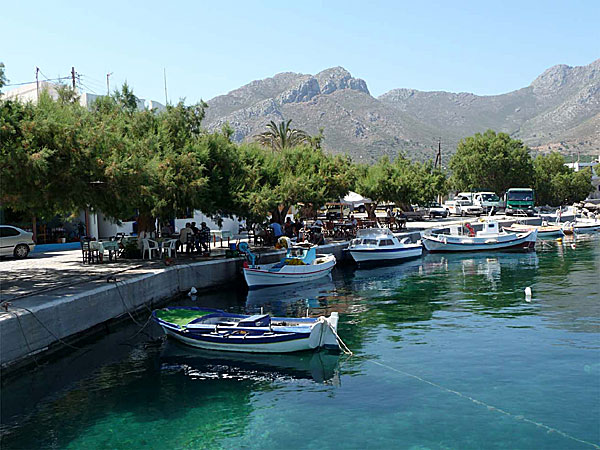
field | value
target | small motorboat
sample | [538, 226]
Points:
[581, 226]
[301, 263]
[213, 329]
[489, 238]
[376, 245]
[543, 231]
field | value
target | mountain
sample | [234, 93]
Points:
[560, 110]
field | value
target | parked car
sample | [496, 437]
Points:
[462, 206]
[436, 210]
[15, 242]
[413, 212]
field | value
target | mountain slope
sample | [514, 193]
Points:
[560, 108]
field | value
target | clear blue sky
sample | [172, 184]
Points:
[211, 47]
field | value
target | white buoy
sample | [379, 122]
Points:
[527, 294]
[573, 246]
[193, 291]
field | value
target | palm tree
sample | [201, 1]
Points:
[282, 136]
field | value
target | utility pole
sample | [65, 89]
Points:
[165, 78]
[73, 76]
[108, 83]
[37, 83]
[438, 157]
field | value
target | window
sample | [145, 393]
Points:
[370, 241]
[384, 242]
[8, 232]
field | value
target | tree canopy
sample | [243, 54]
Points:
[557, 184]
[491, 161]
[278, 137]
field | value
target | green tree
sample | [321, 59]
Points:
[278, 137]
[491, 161]
[3, 80]
[556, 184]
[401, 181]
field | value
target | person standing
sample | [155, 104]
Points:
[277, 230]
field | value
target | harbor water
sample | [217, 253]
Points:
[448, 354]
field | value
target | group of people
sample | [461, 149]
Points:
[194, 238]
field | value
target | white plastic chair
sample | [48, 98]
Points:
[148, 245]
[170, 247]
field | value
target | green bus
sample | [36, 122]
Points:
[519, 201]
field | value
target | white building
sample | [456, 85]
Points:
[29, 93]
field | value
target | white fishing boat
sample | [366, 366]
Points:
[376, 245]
[489, 238]
[543, 231]
[213, 329]
[581, 226]
[300, 264]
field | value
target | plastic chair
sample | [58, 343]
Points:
[169, 248]
[148, 245]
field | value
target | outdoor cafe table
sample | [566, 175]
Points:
[221, 234]
[101, 246]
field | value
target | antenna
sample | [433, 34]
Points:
[165, 78]
[108, 83]
[37, 83]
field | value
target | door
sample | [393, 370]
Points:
[8, 237]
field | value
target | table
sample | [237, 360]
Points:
[101, 246]
[221, 234]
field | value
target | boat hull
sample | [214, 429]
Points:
[316, 333]
[385, 255]
[550, 232]
[524, 241]
[256, 278]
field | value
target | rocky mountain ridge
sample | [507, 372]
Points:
[560, 109]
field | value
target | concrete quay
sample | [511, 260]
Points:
[40, 318]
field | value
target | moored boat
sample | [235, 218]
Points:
[490, 238]
[213, 329]
[301, 263]
[581, 226]
[543, 231]
[377, 245]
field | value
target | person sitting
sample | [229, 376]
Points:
[317, 237]
[204, 238]
[277, 230]
[353, 221]
[288, 228]
[184, 235]
[166, 230]
[298, 226]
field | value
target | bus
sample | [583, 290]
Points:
[519, 201]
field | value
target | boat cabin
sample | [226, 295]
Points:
[376, 237]
[490, 227]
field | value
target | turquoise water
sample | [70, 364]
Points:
[448, 354]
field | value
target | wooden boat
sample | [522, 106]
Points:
[300, 264]
[490, 238]
[213, 329]
[543, 230]
[376, 245]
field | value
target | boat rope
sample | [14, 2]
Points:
[341, 343]
[488, 406]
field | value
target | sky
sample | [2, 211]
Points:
[208, 48]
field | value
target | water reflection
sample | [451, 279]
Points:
[291, 300]
[321, 367]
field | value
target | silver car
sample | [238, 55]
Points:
[15, 242]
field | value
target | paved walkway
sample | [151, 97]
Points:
[45, 272]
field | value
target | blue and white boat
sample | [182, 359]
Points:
[300, 264]
[213, 329]
[373, 245]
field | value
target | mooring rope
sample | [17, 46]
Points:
[341, 343]
[488, 406]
